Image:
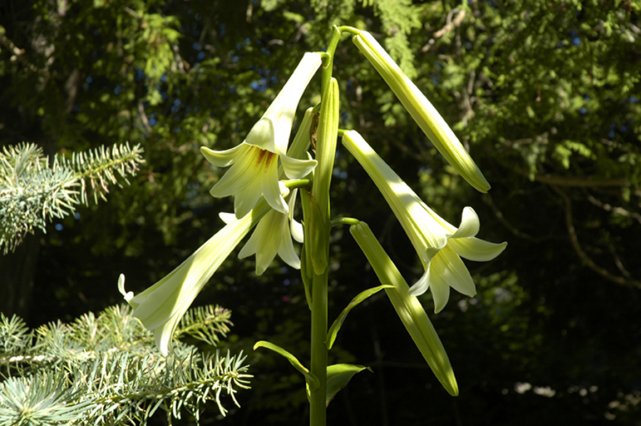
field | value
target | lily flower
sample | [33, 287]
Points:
[421, 110]
[161, 306]
[439, 244]
[272, 236]
[254, 164]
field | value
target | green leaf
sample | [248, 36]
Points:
[339, 375]
[309, 377]
[338, 322]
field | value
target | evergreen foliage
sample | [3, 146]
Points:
[547, 94]
[106, 369]
[33, 193]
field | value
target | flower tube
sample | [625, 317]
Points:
[161, 306]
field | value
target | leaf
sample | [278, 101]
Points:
[339, 375]
[309, 377]
[338, 322]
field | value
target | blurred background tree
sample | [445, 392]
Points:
[546, 95]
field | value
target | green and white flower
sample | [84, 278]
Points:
[439, 244]
[161, 306]
[421, 110]
[254, 164]
[273, 236]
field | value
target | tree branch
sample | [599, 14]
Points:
[451, 23]
[583, 256]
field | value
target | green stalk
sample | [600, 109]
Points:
[317, 228]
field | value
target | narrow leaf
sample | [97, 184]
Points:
[338, 376]
[338, 322]
[309, 377]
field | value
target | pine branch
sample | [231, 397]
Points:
[205, 323]
[106, 369]
[32, 193]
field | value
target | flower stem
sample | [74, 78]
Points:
[317, 226]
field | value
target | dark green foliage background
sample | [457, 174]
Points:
[546, 94]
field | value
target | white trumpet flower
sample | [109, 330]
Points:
[161, 306]
[439, 244]
[254, 170]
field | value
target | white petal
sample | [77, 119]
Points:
[128, 295]
[286, 250]
[221, 158]
[239, 175]
[439, 288]
[268, 240]
[262, 135]
[286, 246]
[296, 228]
[271, 189]
[295, 168]
[469, 226]
[453, 271]
[283, 108]
[476, 249]
[250, 246]
[246, 199]
[421, 286]
[227, 218]
[163, 338]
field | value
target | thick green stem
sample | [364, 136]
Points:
[317, 228]
[317, 396]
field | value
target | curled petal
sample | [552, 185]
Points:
[227, 217]
[295, 168]
[221, 158]
[476, 249]
[128, 295]
[296, 228]
[423, 283]
[469, 224]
